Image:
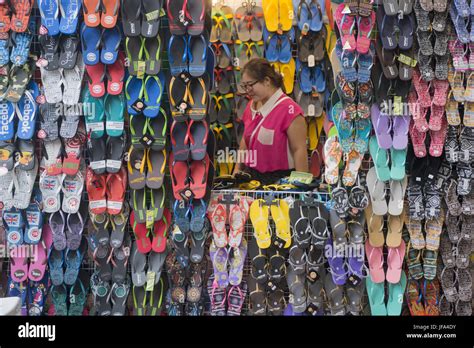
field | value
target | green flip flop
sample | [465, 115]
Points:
[376, 293]
[398, 163]
[94, 113]
[395, 296]
[380, 158]
[114, 106]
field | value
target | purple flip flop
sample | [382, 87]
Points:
[400, 127]
[237, 263]
[75, 226]
[219, 258]
[382, 126]
[356, 265]
[56, 222]
[336, 263]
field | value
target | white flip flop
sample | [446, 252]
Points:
[377, 193]
[397, 196]
[50, 186]
[72, 82]
[72, 187]
[52, 83]
[24, 180]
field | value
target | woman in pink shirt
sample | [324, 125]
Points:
[275, 129]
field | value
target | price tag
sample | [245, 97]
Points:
[397, 105]
[150, 219]
[304, 178]
[150, 280]
[311, 110]
[311, 61]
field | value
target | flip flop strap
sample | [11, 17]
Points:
[158, 80]
[204, 95]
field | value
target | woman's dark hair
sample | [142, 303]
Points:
[260, 68]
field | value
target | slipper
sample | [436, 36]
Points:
[115, 75]
[24, 181]
[398, 157]
[397, 194]
[219, 258]
[152, 50]
[236, 263]
[19, 78]
[91, 9]
[156, 164]
[72, 187]
[339, 230]
[197, 53]
[280, 215]
[114, 106]
[407, 26]
[336, 297]
[70, 10]
[386, 26]
[73, 260]
[7, 115]
[180, 141]
[157, 128]
[381, 160]
[332, 157]
[198, 99]
[21, 14]
[382, 125]
[139, 204]
[131, 17]
[68, 55]
[160, 228]
[377, 192]
[199, 171]
[179, 176]
[438, 139]
[236, 223]
[395, 296]
[153, 91]
[297, 290]
[134, 92]
[337, 265]
[72, 80]
[115, 189]
[143, 243]
[394, 235]
[151, 11]
[96, 190]
[375, 259]
[259, 213]
[155, 265]
[49, 52]
[395, 261]
[13, 219]
[111, 39]
[95, 78]
[346, 25]
[57, 223]
[376, 294]
[21, 45]
[136, 168]
[353, 163]
[91, 41]
[109, 15]
[365, 26]
[400, 128]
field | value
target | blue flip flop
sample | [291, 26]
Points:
[56, 262]
[21, 44]
[27, 110]
[111, 41]
[90, 40]
[15, 223]
[303, 12]
[7, 126]
[70, 10]
[181, 215]
[16, 289]
[304, 77]
[197, 53]
[285, 46]
[37, 293]
[178, 54]
[198, 213]
[365, 63]
[348, 62]
[317, 9]
[114, 106]
[361, 141]
[345, 130]
[49, 10]
[73, 261]
[271, 45]
[154, 88]
[4, 52]
[319, 81]
[34, 224]
[134, 91]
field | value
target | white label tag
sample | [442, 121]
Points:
[311, 61]
[114, 205]
[97, 165]
[311, 110]
[102, 203]
[95, 127]
[346, 10]
[114, 164]
[114, 125]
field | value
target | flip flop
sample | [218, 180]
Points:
[96, 190]
[395, 262]
[24, 181]
[155, 264]
[398, 157]
[199, 171]
[236, 262]
[139, 204]
[91, 9]
[259, 213]
[195, 11]
[157, 128]
[178, 54]
[115, 189]
[197, 53]
[73, 260]
[111, 39]
[142, 244]
[134, 92]
[365, 26]
[179, 175]
[386, 25]
[156, 164]
[57, 223]
[180, 141]
[219, 258]
[131, 17]
[160, 228]
[376, 294]
[153, 91]
[115, 75]
[91, 40]
[381, 160]
[395, 296]
[21, 14]
[21, 44]
[69, 48]
[151, 11]
[95, 76]
[72, 187]
[114, 106]
[397, 194]
[70, 10]
[280, 216]
[198, 99]
[109, 15]
[49, 51]
[377, 192]
[382, 126]
[407, 26]
[72, 80]
[152, 50]
[37, 268]
[197, 138]
[7, 115]
[19, 78]
[119, 296]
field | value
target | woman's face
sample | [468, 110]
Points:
[257, 90]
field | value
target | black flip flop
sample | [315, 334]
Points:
[151, 10]
[197, 51]
[131, 17]
[259, 262]
[196, 11]
[198, 240]
[177, 90]
[138, 124]
[180, 148]
[158, 126]
[97, 154]
[120, 257]
[388, 60]
[257, 296]
[224, 114]
[49, 51]
[158, 199]
[198, 132]
[155, 174]
[300, 224]
[277, 270]
[68, 51]
[152, 46]
[115, 152]
[198, 99]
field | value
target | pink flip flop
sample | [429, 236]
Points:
[438, 138]
[459, 54]
[395, 262]
[365, 26]
[19, 267]
[38, 265]
[346, 24]
[418, 140]
[219, 232]
[375, 259]
[436, 117]
[441, 88]
[237, 224]
[422, 89]
[419, 113]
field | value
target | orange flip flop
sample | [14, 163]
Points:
[4, 18]
[21, 14]
[96, 191]
[110, 9]
[91, 11]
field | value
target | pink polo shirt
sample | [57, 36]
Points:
[265, 133]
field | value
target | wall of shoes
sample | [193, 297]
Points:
[115, 202]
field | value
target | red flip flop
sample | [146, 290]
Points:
[110, 9]
[96, 75]
[198, 177]
[115, 75]
[316, 161]
[116, 187]
[96, 187]
[141, 235]
[160, 229]
[72, 159]
[21, 14]
[179, 177]
[4, 18]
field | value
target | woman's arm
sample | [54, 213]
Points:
[297, 133]
[238, 166]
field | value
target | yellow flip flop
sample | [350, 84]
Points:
[259, 216]
[288, 71]
[331, 39]
[312, 134]
[270, 10]
[286, 15]
[281, 216]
